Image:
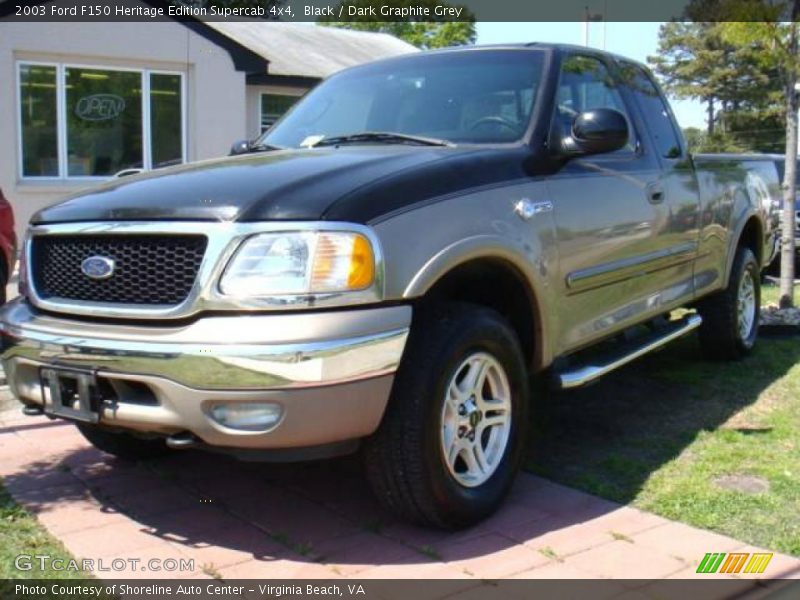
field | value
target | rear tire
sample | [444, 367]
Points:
[730, 317]
[450, 443]
[123, 445]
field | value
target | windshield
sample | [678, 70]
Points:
[483, 96]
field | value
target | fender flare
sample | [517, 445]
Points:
[736, 237]
[492, 247]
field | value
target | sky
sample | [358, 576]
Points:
[634, 40]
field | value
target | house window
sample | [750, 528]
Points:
[37, 95]
[166, 109]
[104, 121]
[80, 121]
[272, 108]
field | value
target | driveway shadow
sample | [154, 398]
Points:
[220, 510]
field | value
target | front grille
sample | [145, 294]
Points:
[148, 269]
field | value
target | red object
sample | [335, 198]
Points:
[8, 240]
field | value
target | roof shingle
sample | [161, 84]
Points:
[311, 50]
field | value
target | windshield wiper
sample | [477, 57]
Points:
[381, 137]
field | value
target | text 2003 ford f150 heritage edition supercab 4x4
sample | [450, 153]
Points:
[387, 269]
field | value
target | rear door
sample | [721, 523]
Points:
[611, 211]
[677, 181]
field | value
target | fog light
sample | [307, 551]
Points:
[251, 416]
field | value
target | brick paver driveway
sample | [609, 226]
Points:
[247, 520]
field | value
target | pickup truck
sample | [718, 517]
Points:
[394, 268]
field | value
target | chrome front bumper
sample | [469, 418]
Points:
[331, 372]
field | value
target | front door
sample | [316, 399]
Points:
[609, 211]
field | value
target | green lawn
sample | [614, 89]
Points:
[770, 293]
[21, 534]
[711, 444]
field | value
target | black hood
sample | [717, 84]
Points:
[350, 183]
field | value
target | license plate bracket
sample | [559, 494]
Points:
[70, 394]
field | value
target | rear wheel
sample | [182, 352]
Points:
[123, 445]
[450, 442]
[730, 317]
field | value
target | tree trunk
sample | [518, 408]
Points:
[790, 178]
[710, 111]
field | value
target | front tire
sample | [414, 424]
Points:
[730, 317]
[451, 440]
[123, 445]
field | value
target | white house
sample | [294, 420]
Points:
[84, 100]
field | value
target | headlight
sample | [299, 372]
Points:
[300, 263]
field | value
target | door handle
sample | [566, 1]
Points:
[655, 193]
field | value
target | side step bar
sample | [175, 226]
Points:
[588, 373]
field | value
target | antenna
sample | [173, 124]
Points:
[590, 17]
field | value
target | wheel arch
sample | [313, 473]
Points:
[749, 234]
[485, 271]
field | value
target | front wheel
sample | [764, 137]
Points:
[451, 441]
[730, 317]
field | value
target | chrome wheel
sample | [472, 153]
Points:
[476, 419]
[746, 305]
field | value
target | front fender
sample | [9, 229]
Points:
[422, 245]
[463, 251]
[482, 247]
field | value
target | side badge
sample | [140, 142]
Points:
[527, 209]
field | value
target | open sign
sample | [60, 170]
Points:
[99, 107]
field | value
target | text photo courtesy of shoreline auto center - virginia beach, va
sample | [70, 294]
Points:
[395, 299]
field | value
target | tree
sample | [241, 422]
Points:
[695, 138]
[432, 32]
[696, 61]
[773, 27]
[700, 141]
[684, 63]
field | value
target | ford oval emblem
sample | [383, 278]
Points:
[98, 267]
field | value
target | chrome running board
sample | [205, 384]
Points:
[574, 378]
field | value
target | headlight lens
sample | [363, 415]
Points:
[300, 263]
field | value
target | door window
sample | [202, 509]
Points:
[654, 110]
[586, 84]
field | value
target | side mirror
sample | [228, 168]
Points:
[596, 132]
[240, 147]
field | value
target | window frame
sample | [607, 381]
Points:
[61, 117]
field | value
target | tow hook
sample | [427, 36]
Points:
[182, 441]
